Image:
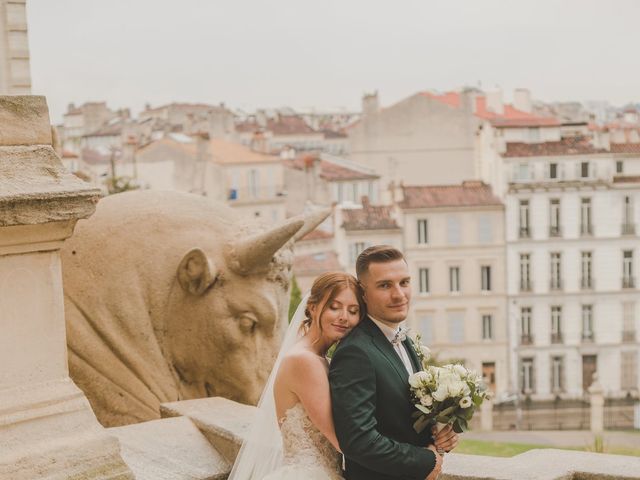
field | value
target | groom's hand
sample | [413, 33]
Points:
[446, 439]
[438, 468]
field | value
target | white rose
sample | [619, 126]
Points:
[465, 402]
[417, 379]
[455, 388]
[466, 391]
[426, 400]
[460, 370]
[441, 393]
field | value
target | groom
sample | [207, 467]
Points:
[369, 375]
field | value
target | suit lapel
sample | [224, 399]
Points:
[415, 361]
[386, 349]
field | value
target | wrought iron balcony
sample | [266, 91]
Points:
[586, 283]
[556, 337]
[628, 336]
[526, 339]
[555, 231]
[628, 282]
[555, 284]
[628, 228]
[525, 232]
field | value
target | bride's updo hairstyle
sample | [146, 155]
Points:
[325, 289]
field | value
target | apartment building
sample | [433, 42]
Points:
[15, 70]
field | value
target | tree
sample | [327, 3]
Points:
[295, 299]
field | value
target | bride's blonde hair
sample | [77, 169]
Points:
[325, 289]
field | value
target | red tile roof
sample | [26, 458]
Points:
[317, 234]
[328, 170]
[316, 263]
[625, 147]
[369, 217]
[511, 117]
[280, 125]
[577, 145]
[469, 194]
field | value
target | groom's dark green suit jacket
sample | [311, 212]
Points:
[372, 409]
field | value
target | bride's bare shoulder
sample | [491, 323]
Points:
[299, 358]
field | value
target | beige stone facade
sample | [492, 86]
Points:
[15, 70]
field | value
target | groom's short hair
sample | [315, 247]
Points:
[376, 254]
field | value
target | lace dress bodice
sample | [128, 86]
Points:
[306, 451]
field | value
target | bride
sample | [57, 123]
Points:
[292, 436]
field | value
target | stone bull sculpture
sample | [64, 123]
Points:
[169, 296]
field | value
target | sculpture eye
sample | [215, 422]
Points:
[248, 323]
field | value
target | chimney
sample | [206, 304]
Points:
[370, 105]
[259, 142]
[494, 102]
[522, 100]
[221, 123]
[468, 100]
[261, 118]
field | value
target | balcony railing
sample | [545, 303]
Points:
[628, 229]
[555, 284]
[526, 339]
[588, 337]
[555, 231]
[628, 336]
[586, 230]
[525, 232]
[628, 282]
[586, 283]
[556, 337]
[526, 286]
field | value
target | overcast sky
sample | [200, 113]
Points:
[327, 53]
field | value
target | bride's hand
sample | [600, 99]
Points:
[438, 468]
[446, 439]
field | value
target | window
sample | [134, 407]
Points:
[423, 236]
[628, 322]
[553, 170]
[489, 375]
[522, 171]
[556, 276]
[554, 218]
[557, 371]
[628, 227]
[627, 269]
[355, 249]
[527, 383]
[485, 234]
[485, 274]
[456, 326]
[487, 327]
[424, 280]
[556, 324]
[453, 230]
[525, 326]
[586, 282]
[619, 167]
[629, 370]
[425, 327]
[525, 272]
[587, 322]
[524, 219]
[584, 169]
[585, 216]
[454, 279]
[254, 183]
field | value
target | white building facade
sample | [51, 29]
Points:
[15, 70]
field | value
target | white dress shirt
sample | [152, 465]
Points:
[400, 349]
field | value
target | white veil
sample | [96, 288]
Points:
[261, 451]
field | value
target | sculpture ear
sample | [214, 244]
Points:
[195, 274]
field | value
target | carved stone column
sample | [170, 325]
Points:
[47, 427]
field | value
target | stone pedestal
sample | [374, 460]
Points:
[596, 397]
[486, 416]
[47, 427]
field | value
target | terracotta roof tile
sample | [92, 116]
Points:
[280, 125]
[316, 263]
[369, 217]
[578, 145]
[469, 194]
[328, 170]
[625, 147]
[511, 117]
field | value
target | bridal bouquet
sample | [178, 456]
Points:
[447, 394]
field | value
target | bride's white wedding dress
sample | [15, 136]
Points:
[307, 454]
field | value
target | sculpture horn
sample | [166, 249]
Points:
[249, 254]
[311, 221]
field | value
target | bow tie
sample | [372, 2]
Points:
[400, 336]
